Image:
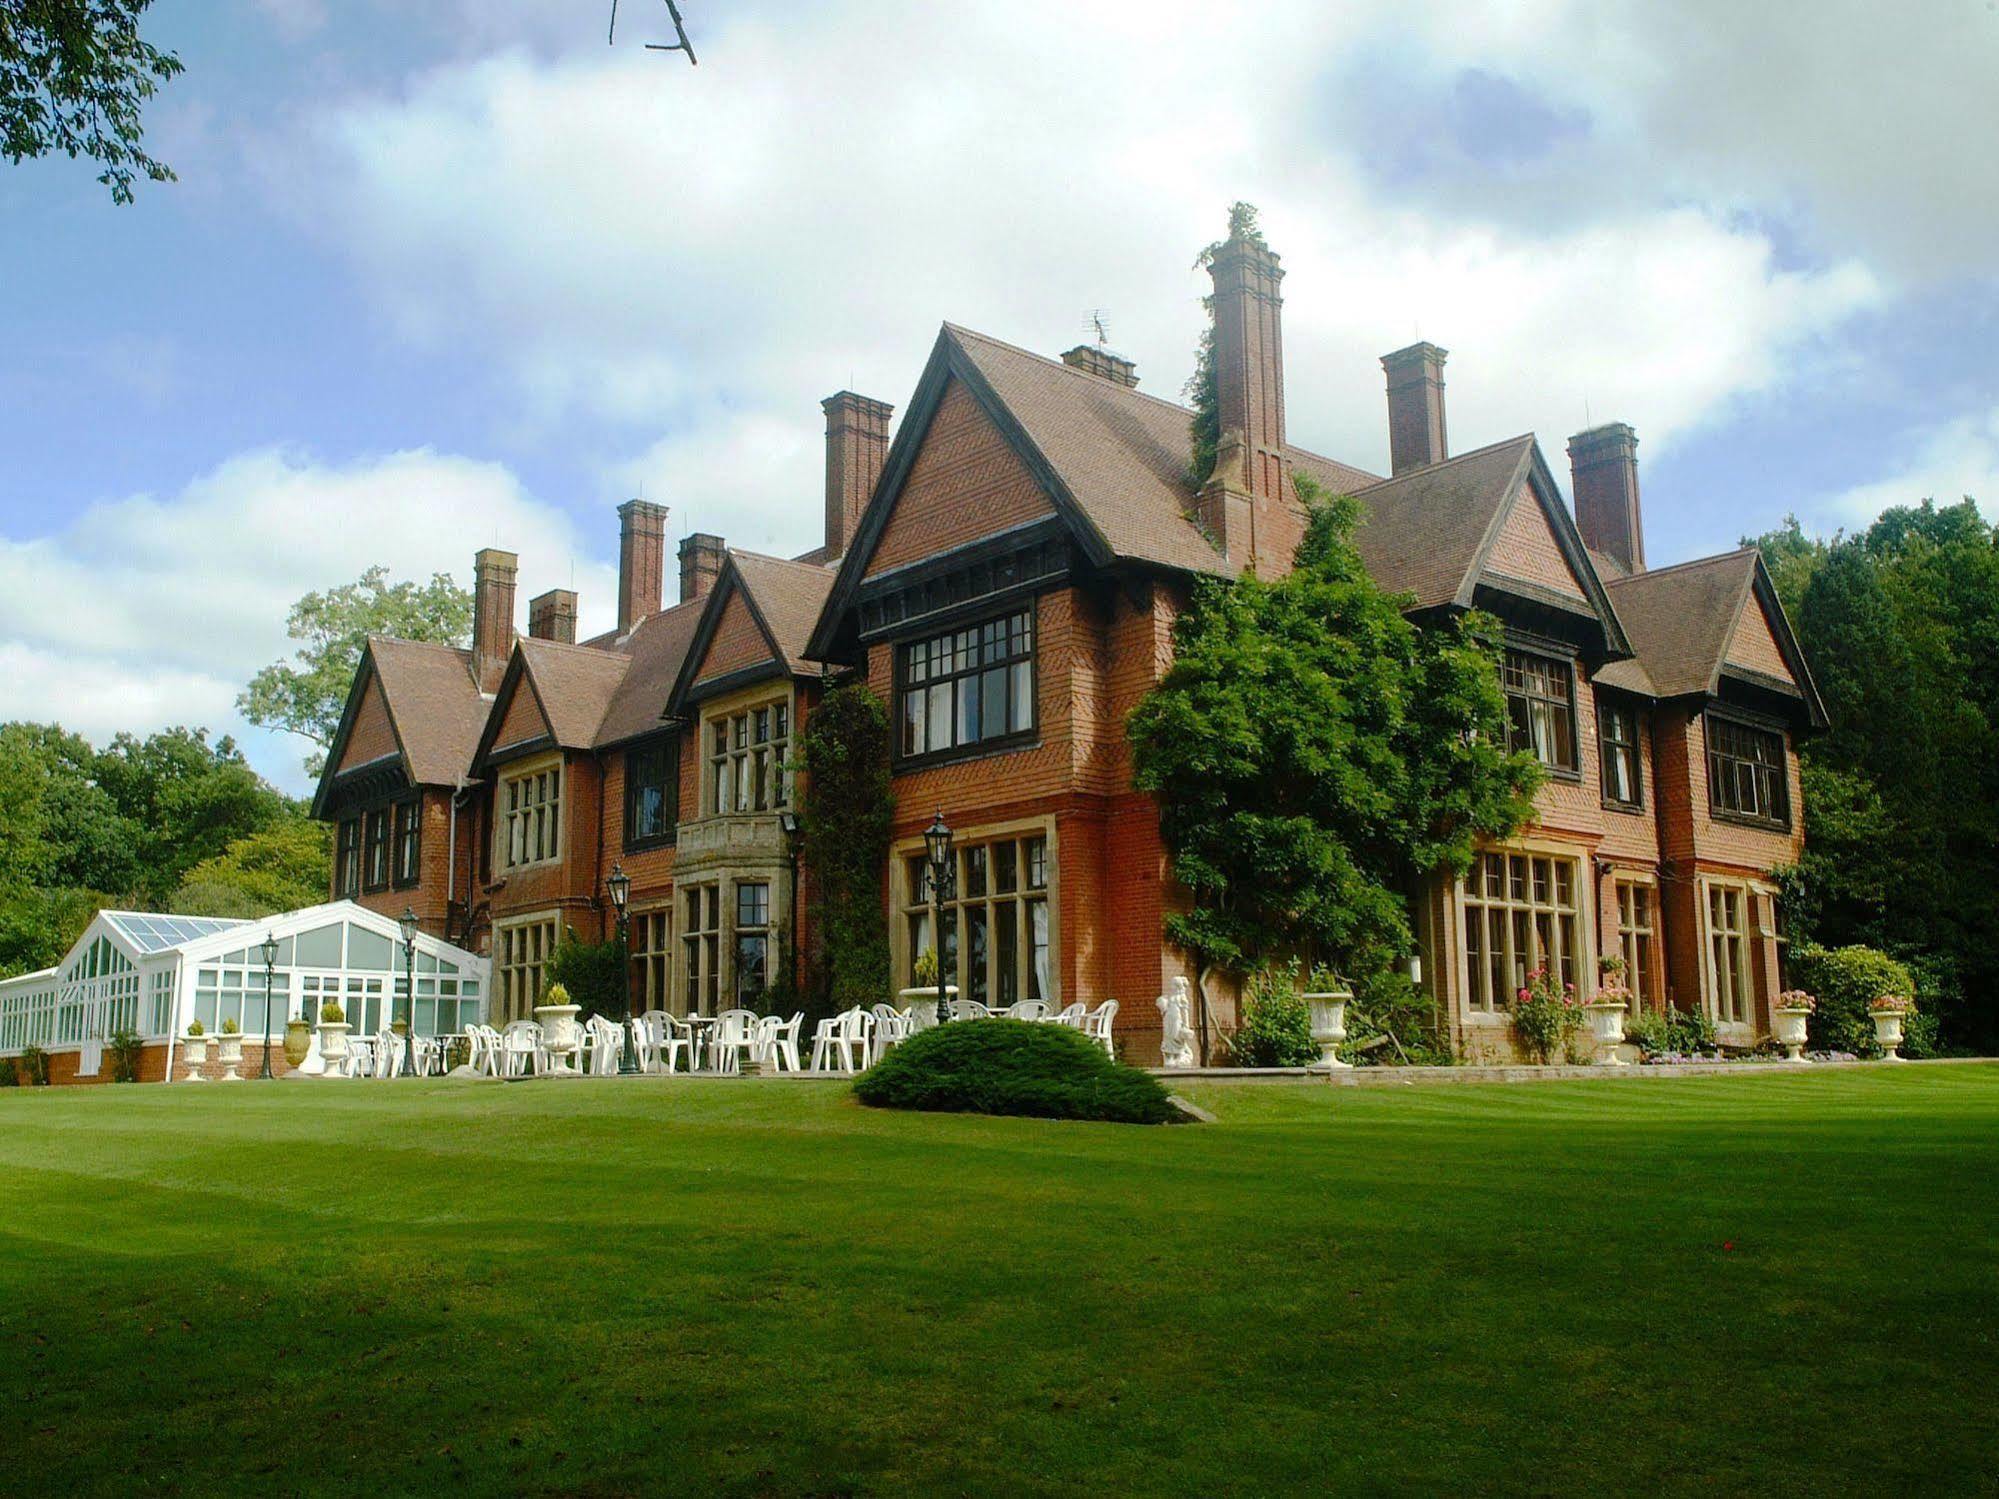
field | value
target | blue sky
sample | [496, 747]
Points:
[454, 275]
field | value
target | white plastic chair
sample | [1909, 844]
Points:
[606, 1040]
[969, 1009]
[1097, 1026]
[843, 1042]
[891, 1029]
[1071, 1015]
[1028, 1009]
[360, 1056]
[781, 1042]
[427, 1052]
[643, 1050]
[521, 1051]
[388, 1054]
[686, 1033]
[735, 1038]
[667, 1042]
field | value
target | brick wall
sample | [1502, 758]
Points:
[737, 642]
[523, 720]
[1525, 548]
[371, 735]
[1754, 644]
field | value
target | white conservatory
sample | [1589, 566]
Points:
[153, 973]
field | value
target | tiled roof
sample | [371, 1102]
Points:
[575, 684]
[436, 705]
[1121, 453]
[1425, 529]
[1681, 618]
[655, 648]
[789, 596]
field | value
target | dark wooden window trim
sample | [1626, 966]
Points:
[406, 844]
[1519, 644]
[1604, 707]
[1755, 724]
[347, 858]
[997, 744]
[375, 831]
[666, 751]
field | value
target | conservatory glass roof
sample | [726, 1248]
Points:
[150, 933]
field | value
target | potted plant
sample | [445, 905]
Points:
[1790, 1016]
[194, 1051]
[1327, 998]
[1607, 1009]
[229, 1051]
[559, 1033]
[1888, 1011]
[298, 1040]
[333, 1030]
[920, 998]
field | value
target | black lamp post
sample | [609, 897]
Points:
[794, 840]
[270, 950]
[408, 924]
[937, 840]
[619, 887]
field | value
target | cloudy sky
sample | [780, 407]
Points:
[460, 274]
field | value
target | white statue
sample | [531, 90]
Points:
[1176, 1033]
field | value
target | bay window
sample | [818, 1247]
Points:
[996, 918]
[701, 943]
[746, 760]
[752, 946]
[1520, 915]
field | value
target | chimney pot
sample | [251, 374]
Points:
[641, 561]
[1603, 471]
[856, 449]
[1416, 433]
[1092, 360]
[552, 616]
[700, 564]
[493, 573]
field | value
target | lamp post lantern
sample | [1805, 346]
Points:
[937, 842]
[408, 924]
[270, 951]
[618, 886]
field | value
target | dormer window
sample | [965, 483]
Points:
[746, 755]
[530, 824]
[1541, 708]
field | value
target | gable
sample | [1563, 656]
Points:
[1525, 548]
[737, 642]
[965, 482]
[372, 734]
[1754, 643]
[523, 719]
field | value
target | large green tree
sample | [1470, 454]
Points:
[848, 809]
[73, 74]
[306, 694]
[278, 868]
[1315, 753]
[1901, 795]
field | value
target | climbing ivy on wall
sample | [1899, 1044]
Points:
[848, 807]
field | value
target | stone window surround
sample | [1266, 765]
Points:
[514, 772]
[900, 898]
[551, 918]
[1759, 897]
[1499, 1018]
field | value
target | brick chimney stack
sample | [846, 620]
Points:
[493, 573]
[641, 561]
[1092, 360]
[1245, 505]
[700, 564]
[856, 449]
[1603, 468]
[1416, 434]
[552, 616]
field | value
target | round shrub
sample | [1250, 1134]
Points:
[1013, 1067]
[1845, 981]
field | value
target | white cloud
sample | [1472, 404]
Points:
[151, 611]
[706, 252]
[1947, 463]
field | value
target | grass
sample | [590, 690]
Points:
[1713, 1284]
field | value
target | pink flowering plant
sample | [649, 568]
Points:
[1796, 999]
[1546, 1013]
[1892, 1003]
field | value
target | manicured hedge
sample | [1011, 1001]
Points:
[1013, 1067]
[1845, 981]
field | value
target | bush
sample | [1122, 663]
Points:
[34, 1067]
[125, 1049]
[1013, 1067]
[1276, 1029]
[591, 976]
[329, 1014]
[1675, 1033]
[1546, 1015]
[1847, 980]
[1389, 1020]
[10, 1075]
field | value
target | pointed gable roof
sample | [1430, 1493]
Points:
[1681, 620]
[783, 600]
[434, 707]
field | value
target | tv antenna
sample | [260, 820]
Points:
[679, 30]
[1098, 328]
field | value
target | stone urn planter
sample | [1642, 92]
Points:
[194, 1052]
[921, 1003]
[1329, 1023]
[560, 1034]
[333, 1047]
[1888, 1025]
[1790, 1018]
[298, 1040]
[229, 1052]
[1606, 1023]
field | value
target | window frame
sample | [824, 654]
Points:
[1734, 941]
[994, 896]
[751, 924]
[1532, 651]
[1637, 934]
[550, 807]
[1567, 932]
[531, 963]
[347, 858]
[376, 827]
[666, 749]
[738, 767]
[406, 844]
[900, 669]
[653, 954]
[1609, 709]
[1778, 775]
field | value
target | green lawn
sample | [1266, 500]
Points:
[1790, 1283]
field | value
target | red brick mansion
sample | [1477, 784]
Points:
[1005, 574]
